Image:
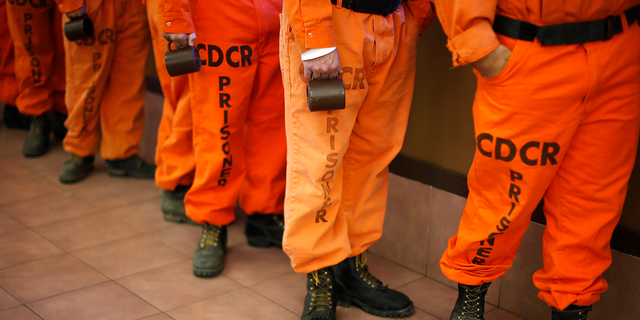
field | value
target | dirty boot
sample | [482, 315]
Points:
[572, 312]
[37, 140]
[172, 205]
[76, 169]
[320, 302]
[57, 126]
[356, 285]
[133, 166]
[208, 260]
[264, 230]
[14, 120]
[470, 303]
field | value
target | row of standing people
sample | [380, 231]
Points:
[548, 117]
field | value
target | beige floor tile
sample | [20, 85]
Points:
[11, 141]
[182, 237]
[9, 224]
[18, 313]
[130, 256]
[87, 231]
[54, 158]
[24, 246]
[159, 316]
[175, 286]
[9, 169]
[288, 291]
[25, 186]
[243, 304]
[48, 209]
[250, 266]
[390, 273]
[145, 216]
[499, 314]
[107, 301]
[48, 277]
[355, 313]
[7, 300]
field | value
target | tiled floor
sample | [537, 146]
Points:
[99, 249]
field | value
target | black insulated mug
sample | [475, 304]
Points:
[325, 95]
[78, 28]
[182, 61]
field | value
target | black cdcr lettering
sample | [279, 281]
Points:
[245, 55]
[331, 124]
[210, 49]
[358, 79]
[549, 152]
[347, 85]
[523, 153]
[515, 175]
[510, 145]
[223, 82]
[514, 192]
[229, 61]
[481, 137]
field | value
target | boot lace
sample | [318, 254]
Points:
[279, 219]
[210, 235]
[321, 296]
[77, 159]
[361, 266]
[472, 303]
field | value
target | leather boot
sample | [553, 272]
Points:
[264, 230]
[572, 312]
[14, 120]
[172, 205]
[470, 303]
[133, 166]
[76, 168]
[37, 141]
[320, 302]
[57, 126]
[355, 285]
[208, 260]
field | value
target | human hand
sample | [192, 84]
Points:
[77, 13]
[180, 40]
[491, 64]
[323, 67]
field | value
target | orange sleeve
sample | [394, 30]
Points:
[176, 16]
[468, 24]
[311, 22]
[69, 5]
[424, 11]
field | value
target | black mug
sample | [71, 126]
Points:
[78, 28]
[325, 95]
[182, 61]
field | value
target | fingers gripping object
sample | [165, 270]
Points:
[182, 61]
[78, 28]
[324, 95]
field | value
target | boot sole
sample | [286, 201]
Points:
[76, 180]
[207, 273]
[178, 219]
[346, 301]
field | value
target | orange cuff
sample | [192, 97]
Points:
[178, 23]
[69, 5]
[314, 37]
[473, 44]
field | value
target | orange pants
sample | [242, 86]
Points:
[337, 161]
[559, 122]
[8, 83]
[106, 81]
[35, 27]
[237, 105]
[175, 158]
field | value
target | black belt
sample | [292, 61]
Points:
[568, 33]
[381, 7]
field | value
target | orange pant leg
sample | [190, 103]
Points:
[547, 125]
[237, 111]
[106, 81]
[8, 82]
[337, 175]
[175, 158]
[35, 28]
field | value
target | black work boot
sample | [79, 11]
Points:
[572, 312]
[208, 260]
[57, 126]
[133, 166]
[76, 169]
[355, 285]
[320, 302]
[14, 120]
[470, 303]
[37, 140]
[172, 205]
[264, 230]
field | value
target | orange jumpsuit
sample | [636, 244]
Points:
[337, 161]
[237, 105]
[8, 83]
[39, 56]
[559, 122]
[175, 159]
[106, 79]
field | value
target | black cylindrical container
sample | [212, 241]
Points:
[182, 61]
[324, 95]
[78, 29]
